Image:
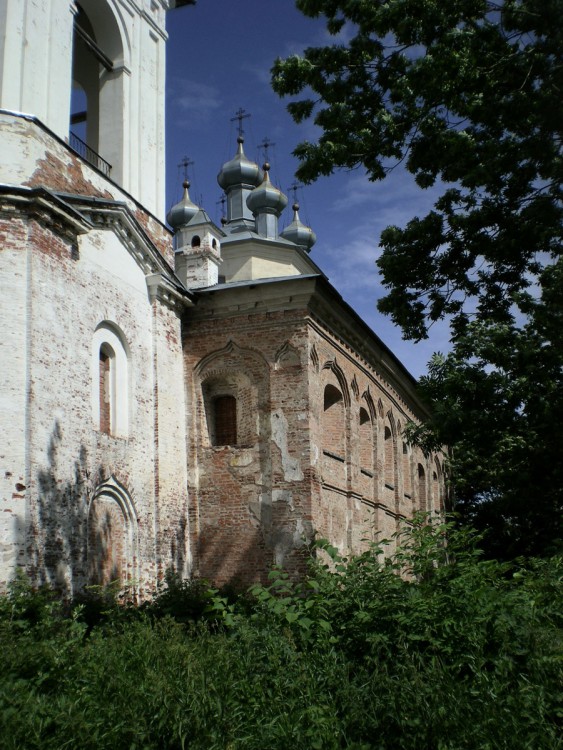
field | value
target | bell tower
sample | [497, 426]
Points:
[93, 72]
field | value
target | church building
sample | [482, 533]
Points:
[174, 394]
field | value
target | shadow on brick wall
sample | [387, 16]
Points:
[73, 542]
[57, 534]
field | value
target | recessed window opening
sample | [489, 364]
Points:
[436, 491]
[97, 85]
[79, 112]
[406, 470]
[421, 487]
[196, 240]
[389, 473]
[225, 420]
[334, 422]
[110, 381]
[107, 388]
[332, 396]
[366, 441]
[85, 84]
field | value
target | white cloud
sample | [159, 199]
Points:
[260, 72]
[193, 102]
[357, 191]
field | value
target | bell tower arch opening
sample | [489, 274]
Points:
[98, 104]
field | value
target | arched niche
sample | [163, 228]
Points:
[287, 356]
[334, 421]
[112, 535]
[241, 374]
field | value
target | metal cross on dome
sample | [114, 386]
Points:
[240, 115]
[265, 145]
[294, 187]
[184, 163]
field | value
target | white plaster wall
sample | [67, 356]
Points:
[35, 62]
[36, 71]
[13, 404]
[172, 477]
[260, 261]
[68, 456]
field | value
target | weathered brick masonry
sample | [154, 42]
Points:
[311, 449]
[82, 500]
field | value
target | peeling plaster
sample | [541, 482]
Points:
[283, 496]
[291, 468]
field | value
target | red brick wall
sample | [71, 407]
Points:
[313, 462]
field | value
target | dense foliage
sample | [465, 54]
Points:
[467, 94]
[455, 653]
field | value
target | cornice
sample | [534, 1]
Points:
[46, 207]
[162, 289]
[72, 215]
[329, 315]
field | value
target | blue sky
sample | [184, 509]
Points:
[219, 56]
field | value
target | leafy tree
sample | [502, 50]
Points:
[468, 95]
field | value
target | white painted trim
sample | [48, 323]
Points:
[110, 334]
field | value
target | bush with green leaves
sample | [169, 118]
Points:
[431, 647]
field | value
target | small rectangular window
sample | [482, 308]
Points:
[105, 392]
[225, 412]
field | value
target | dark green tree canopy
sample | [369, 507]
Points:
[468, 95]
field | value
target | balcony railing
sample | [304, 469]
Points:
[84, 150]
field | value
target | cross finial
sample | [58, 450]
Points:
[184, 164]
[265, 145]
[240, 115]
[222, 200]
[294, 187]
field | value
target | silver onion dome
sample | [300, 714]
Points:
[266, 198]
[184, 211]
[239, 171]
[299, 233]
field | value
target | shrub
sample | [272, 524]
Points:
[455, 652]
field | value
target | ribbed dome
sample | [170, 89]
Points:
[184, 211]
[239, 171]
[298, 233]
[266, 198]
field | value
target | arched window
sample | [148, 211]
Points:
[196, 240]
[389, 467]
[334, 422]
[437, 498]
[98, 102]
[107, 388]
[406, 471]
[230, 410]
[366, 442]
[225, 420]
[421, 487]
[110, 381]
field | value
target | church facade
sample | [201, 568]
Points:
[197, 398]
